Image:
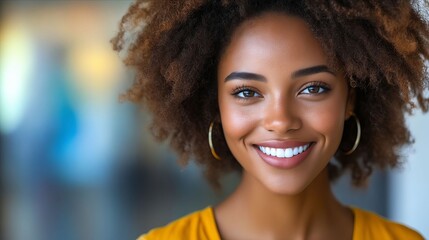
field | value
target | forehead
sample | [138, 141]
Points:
[276, 39]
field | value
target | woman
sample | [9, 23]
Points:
[289, 93]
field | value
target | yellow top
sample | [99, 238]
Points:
[201, 225]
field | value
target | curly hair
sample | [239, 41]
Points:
[175, 46]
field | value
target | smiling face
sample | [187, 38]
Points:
[282, 109]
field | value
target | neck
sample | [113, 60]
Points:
[252, 206]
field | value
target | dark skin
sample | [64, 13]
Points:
[277, 94]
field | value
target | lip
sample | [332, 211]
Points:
[283, 163]
[282, 144]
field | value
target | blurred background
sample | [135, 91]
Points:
[76, 163]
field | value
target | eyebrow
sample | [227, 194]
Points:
[299, 73]
[245, 76]
[312, 70]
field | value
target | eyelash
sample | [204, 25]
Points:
[238, 90]
[242, 89]
[321, 85]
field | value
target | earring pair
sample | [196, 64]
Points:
[355, 145]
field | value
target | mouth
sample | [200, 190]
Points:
[284, 155]
[284, 152]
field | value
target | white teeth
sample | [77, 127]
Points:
[284, 152]
[280, 152]
[288, 152]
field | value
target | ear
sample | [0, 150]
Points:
[350, 105]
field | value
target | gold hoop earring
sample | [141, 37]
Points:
[357, 135]
[211, 143]
[353, 82]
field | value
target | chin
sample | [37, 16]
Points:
[287, 187]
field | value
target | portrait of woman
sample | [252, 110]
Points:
[290, 94]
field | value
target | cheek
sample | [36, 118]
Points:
[237, 122]
[328, 121]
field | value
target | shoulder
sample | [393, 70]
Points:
[197, 225]
[369, 225]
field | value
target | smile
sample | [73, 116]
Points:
[284, 152]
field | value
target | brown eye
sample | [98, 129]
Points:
[247, 93]
[315, 89]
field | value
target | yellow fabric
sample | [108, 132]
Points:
[369, 225]
[201, 225]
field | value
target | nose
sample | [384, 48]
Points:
[281, 117]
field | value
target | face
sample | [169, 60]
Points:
[282, 109]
